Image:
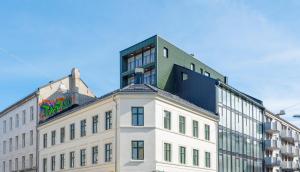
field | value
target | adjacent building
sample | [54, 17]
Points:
[18, 122]
[138, 128]
[281, 144]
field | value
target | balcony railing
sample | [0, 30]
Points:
[272, 144]
[288, 165]
[272, 127]
[287, 135]
[272, 161]
[289, 150]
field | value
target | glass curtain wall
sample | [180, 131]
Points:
[240, 133]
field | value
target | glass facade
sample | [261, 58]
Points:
[240, 133]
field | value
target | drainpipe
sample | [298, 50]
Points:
[116, 132]
[37, 159]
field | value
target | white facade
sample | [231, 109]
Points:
[18, 123]
[149, 132]
[281, 144]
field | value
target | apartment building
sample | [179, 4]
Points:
[241, 116]
[134, 129]
[18, 122]
[281, 144]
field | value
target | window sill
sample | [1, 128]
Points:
[137, 161]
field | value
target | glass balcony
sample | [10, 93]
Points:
[272, 144]
[289, 165]
[287, 135]
[272, 161]
[272, 127]
[288, 150]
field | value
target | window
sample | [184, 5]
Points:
[10, 123]
[52, 163]
[195, 129]
[31, 137]
[62, 161]
[184, 76]
[167, 120]
[95, 124]
[207, 159]
[45, 165]
[16, 164]
[10, 166]
[45, 140]
[82, 128]
[53, 136]
[10, 144]
[72, 131]
[108, 152]
[17, 143]
[72, 159]
[137, 116]
[4, 147]
[17, 120]
[166, 52]
[23, 140]
[3, 166]
[23, 162]
[207, 74]
[149, 77]
[192, 66]
[139, 60]
[4, 126]
[137, 150]
[182, 152]
[167, 152]
[24, 116]
[130, 63]
[62, 135]
[207, 132]
[195, 157]
[30, 160]
[182, 124]
[149, 56]
[31, 113]
[82, 157]
[108, 120]
[95, 155]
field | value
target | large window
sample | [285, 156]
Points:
[139, 60]
[72, 159]
[207, 132]
[17, 120]
[95, 124]
[82, 128]
[53, 137]
[24, 116]
[82, 157]
[62, 161]
[72, 131]
[53, 163]
[167, 152]
[182, 124]
[149, 56]
[23, 162]
[4, 126]
[108, 120]
[137, 116]
[23, 140]
[17, 143]
[192, 66]
[167, 120]
[31, 113]
[108, 152]
[207, 159]
[45, 165]
[130, 63]
[94, 155]
[182, 155]
[195, 157]
[195, 128]
[10, 144]
[10, 123]
[62, 135]
[45, 140]
[4, 147]
[137, 150]
[31, 137]
[16, 164]
[149, 77]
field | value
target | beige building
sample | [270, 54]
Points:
[281, 144]
[135, 129]
[18, 122]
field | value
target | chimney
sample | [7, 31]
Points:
[138, 79]
[74, 84]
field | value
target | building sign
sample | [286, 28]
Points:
[49, 108]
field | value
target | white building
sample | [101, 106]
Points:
[135, 129]
[281, 144]
[18, 123]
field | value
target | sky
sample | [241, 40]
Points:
[255, 43]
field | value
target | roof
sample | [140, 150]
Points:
[280, 118]
[137, 89]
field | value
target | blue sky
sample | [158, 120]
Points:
[256, 44]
